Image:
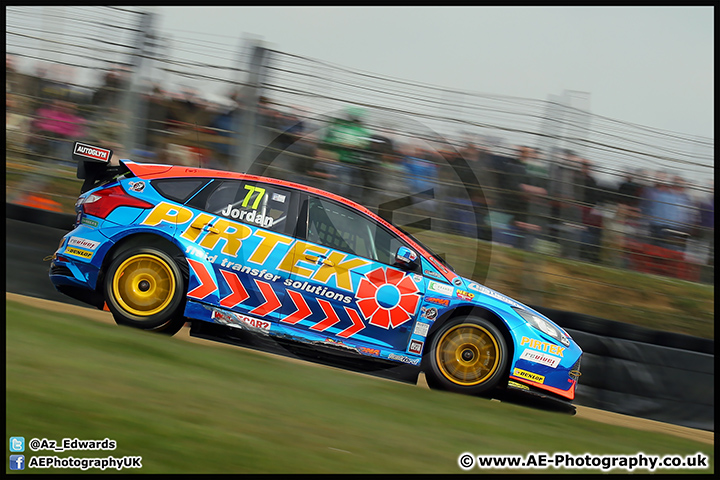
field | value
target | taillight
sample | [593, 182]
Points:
[103, 202]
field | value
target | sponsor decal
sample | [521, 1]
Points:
[255, 272]
[237, 267]
[78, 252]
[248, 216]
[210, 232]
[239, 320]
[83, 242]
[539, 357]
[136, 186]
[270, 301]
[95, 153]
[542, 346]
[528, 375]
[336, 265]
[278, 197]
[421, 329]
[440, 288]
[255, 322]
[370, 351]
[201, 254]
[440, 301]
[417, 278]
[387, 298]
[88, 221]
[319, 290]
[404, 359]
[224, 318]
[416, 347]
[171, 214]
[432, 273]
[429, 312]
[474, 286]
[463, 295]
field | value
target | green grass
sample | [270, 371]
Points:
[194, 408]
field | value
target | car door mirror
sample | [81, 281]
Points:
[406, 258]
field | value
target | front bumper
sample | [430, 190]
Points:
[542, 363]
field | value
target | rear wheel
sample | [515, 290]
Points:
[144, 288]
[468, 356]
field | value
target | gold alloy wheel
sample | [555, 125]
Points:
[468, 354]
[143, 285]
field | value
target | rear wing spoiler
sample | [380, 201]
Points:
[93, 165]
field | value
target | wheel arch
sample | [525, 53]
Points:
[144, 239]
[477, 311]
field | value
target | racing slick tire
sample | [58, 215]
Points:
[468, 355]
[145, 289]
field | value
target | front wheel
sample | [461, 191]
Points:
[468, 356]
[144, 288]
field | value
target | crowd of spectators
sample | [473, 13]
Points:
[526, 198]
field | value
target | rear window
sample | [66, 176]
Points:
[178, 189]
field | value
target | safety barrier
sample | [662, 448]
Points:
[637, 371]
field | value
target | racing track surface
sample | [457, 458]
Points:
[27, 282]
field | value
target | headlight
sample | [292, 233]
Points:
[543, 325]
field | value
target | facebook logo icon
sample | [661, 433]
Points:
[17, 462]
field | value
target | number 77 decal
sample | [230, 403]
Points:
[252, 189]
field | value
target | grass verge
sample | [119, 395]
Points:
[190, 408]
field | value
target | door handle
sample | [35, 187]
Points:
[209, 228]
[319, 260]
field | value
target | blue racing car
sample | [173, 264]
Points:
[272, 264]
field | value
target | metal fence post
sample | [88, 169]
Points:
[245, 154]
[134, 108]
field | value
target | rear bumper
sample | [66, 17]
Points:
[67, 283]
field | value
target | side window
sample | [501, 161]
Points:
[249, 202]
[341, 228]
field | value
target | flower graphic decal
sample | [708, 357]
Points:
[387, 298]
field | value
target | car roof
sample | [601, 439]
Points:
[151, 171]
